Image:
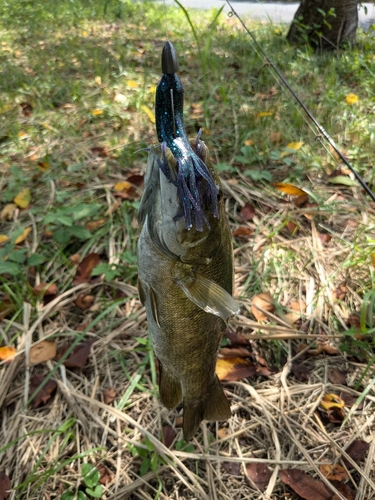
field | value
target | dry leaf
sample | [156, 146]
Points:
[5, 486]
[330, 401]
[3, 238]
[23, 198]
[79, 356]
[91, 226]
[242, 232]
[84, 301]
[7, 353]
[44, 351]
[22, 237]
[235, 338]
[109, 395]
[262, 301]
[293, 146]
[325, 238]
[335, 415]
[122, 186]
[169, 435]
[301, 200]
[148, 112]
[8, 211]
[99, 151]
[350, 400]
[97, 112]
[247, 212]
[334, 472]
[336, 376]
[232, 468]
[292, 227]
[234, 369]
[357, 451]
[26, 108]
[301, 372]
[234, 352]
[249, 142]
[85, 268]
[276, 137]
[45, 289]
[289, 189]
[258, 474]
[106, 475]
[132, 84]
[43, 394]
[75, 258]
[304, 485]
[345, 490]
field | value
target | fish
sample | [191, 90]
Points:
[185, 261]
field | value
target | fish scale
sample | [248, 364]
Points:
[185, 274]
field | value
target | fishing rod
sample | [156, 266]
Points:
[322, 131]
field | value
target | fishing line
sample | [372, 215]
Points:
[322, 131]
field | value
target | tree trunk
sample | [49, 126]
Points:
[314, 23]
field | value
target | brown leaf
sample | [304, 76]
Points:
[325, 238]
[301, 372]
[169, 435]
[247, 212]
[91, 226]
[79, 356]
[276, 137]
[301, 200]
[289, 189]
[106, 475]
[99, 151]
[85, 268]
[333, 472]
[263, 301]
[45, 289]
[136, 180]
[264, 371]
[350, 400]
[26, 108]
[258, 474]
[304, 485]
[330, 349]
[45, 393]
[234, 369]
[5, 486]
[109, 395]
[335, 415]
[84, 301]
[75, 258]
[232, 468]
[357, 450]
[340, 292]
[235, 338]
[7, 353]
[234, 352]
[292, 227]
[243, 232]
[336, 376]
[345, 490]
[44, 351]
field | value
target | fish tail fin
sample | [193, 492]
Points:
[169, 389]
[215, 406]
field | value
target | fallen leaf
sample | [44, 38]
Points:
[357, 451]
[44, 351]
[169, 435]
[43, 165]
[340, 292]
[97, 112]
[234, 352]
[258, 474]
[243, 231]
[22, 237]
[333, 472]
[79, 356]
[106, 475]
[235, 338]
[301, 372]
[8, 211]
[3, 239]
[99, 151]
[301, 200]
[84, 301]
[26, 108]
[276, 138]
[289, 189]
[7, 353]
[247, 212]
[304, 485]
[350, 400]
[23, 198]
[335, 415]
[223, 432]
[345, 490]
[232, 468]
[351, 98]
[330, 349]
[234, 369]
[45, 289]
[122, 186]
[332, 401]
[5, 486]
[91, 226]
[262, 301]
[75, 258]
[292, 227]
[263, 114]
[85, 268]
[264, 371]
[43, 394]
[148, 112]
[249, 142]
[132, 84]
[292, 146]
[336, 376]
[325, 238]
[109, 395]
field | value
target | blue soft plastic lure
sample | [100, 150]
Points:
[196, 188]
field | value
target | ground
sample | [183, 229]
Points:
[78, 84]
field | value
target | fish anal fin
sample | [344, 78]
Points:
[214, 406]
[169, 389]
[209, 296]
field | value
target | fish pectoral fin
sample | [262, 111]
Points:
[209, 296]
[169, 389]
[154, 308]
[141, 292]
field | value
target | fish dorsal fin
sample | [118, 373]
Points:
[209, 296]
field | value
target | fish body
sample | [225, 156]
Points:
[185, 282]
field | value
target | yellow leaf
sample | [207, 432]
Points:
[288, 189]
[23, 198]
[84, 33]
[44, 165]
[152, 89]
[149, 113]
[98, 80]
[3, 239]
[352, 98]
[248, 142]
[97, 112]
[8, 211]
[262, 114]
[22, 237]
[132, 84]
[7, 353]
[234, 369]
[332, 401]
[122, 186]
[294, 146]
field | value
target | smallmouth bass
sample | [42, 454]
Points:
[185, 261]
